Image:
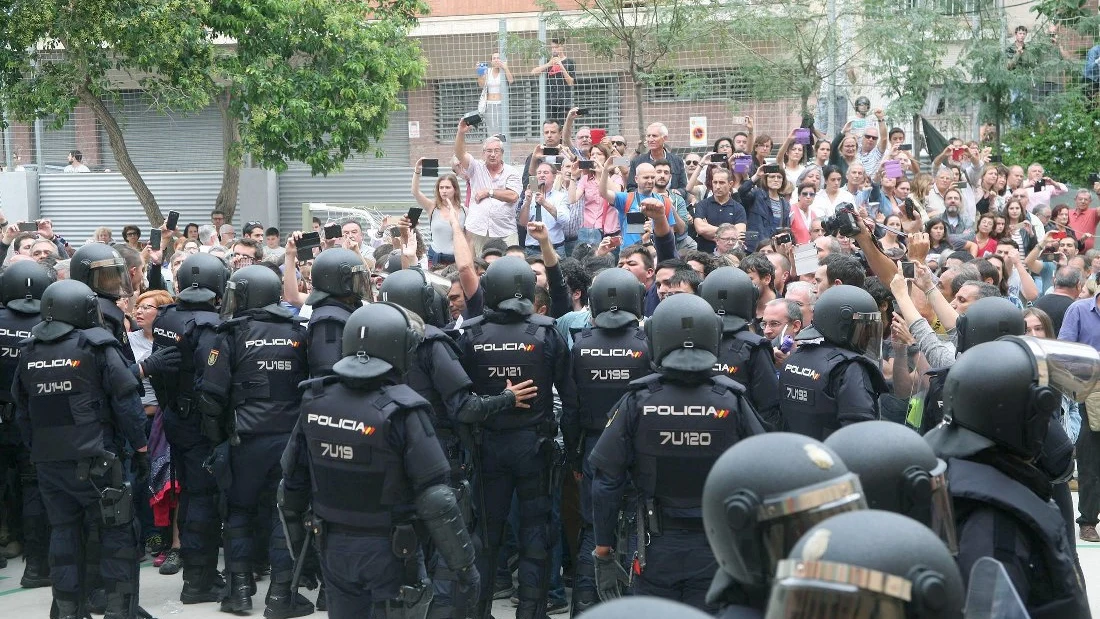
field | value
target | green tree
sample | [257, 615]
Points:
[316, 82]
[646, 36]
[908, 62]
[791, 48]
[59, 54]
[1022, 88]
[303, 80]
[1067, 143]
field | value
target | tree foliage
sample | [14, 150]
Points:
[1067, 144]
[296, 80]
[646, 36]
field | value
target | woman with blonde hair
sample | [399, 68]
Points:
[441, 252]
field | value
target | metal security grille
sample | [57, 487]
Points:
[456, 97]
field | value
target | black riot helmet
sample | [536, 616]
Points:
[616, 299]
[201, 278]
[986, 320]
[643, 607]
[875, 561]
[1004, 393]
[848, 317]
[410, 289]
[102, 269]
[863, 102]
[253, 287]
[899, 473]
[764, 493]
[379, 338]
[684, 334]
[732, 295]
[509, 285]
[22, 285]
[67, 305]
[339, 272]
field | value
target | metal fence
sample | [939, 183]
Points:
[700, 83]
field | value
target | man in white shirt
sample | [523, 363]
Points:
[494, 190]
[542, 203]
[76, 164]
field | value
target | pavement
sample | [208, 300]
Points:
[160, 594]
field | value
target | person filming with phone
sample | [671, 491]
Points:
[542, 203]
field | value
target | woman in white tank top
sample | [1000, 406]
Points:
[441, 249]
[492, 87]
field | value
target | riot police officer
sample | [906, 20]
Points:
[998, 400]
[605, 359]
[744, 356]
[645, 607]
[249, 403]
[868, 563]
[833, 378]
[514, 451]
[899, 473]
[103, 270]
[340, 284]
[759, 498]
[21, 288]
[190, 326]
[436, 375]
[364, 444]
[665, 434]
[984, 321]
[77, 404]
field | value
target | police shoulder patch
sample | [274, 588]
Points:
[212, 358]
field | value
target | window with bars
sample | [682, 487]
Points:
[718, 84]
[456, 98]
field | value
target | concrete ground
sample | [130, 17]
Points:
[160, 594]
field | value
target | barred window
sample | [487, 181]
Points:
[717, 84]
[456, 98]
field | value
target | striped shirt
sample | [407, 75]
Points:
[491, 217]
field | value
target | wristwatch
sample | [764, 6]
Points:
[491, 193]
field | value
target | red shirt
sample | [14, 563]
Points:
[1084, 222]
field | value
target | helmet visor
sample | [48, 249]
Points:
[1071, 368]
[785, 519]
[942, 520]
[110, 278]
[867, 334]
[362, 285]
[826, 590]
[235, 295]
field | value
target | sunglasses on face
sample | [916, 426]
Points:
[808, 194]
[617, 143]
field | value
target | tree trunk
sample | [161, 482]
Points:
[231, 172]
[639, 102]
[122, 156]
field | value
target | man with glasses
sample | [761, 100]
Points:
[618, 145]
[871, 148]
[494, 189]
[782, 317]
[244, 252]
[726, 240]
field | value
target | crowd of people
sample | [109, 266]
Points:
[605, 371]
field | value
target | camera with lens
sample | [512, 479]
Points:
[844, 220]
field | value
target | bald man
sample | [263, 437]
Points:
[646, 176]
